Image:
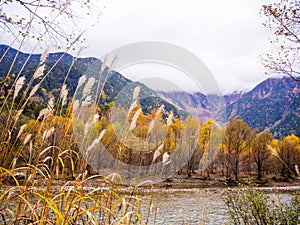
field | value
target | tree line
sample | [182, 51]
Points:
[143, 140]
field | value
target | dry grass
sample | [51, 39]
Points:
[35, 196]
[43, 177]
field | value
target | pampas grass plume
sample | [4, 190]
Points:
[44, 113]
[170, 119]
[19, 85]
[157, 152]
[48, 133]
[134, 119]
[151, 125]
[273, 151]
[136, 92]
[27, 138]
[39, 72]
[64, 95]
[81, 81]
[44, 56]
[22, 128]
[96, 141]
[133, 105]
[76, 105]
[88, 87]
[34, 90]
[297, 170]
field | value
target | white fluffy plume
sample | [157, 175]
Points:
[136, 92]
[19, 85]
[157, 152]
[134, 119]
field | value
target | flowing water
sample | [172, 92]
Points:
[196, 206]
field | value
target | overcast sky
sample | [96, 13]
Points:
[227, 36]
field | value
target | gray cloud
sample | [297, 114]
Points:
[227, 35]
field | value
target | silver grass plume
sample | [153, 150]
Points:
[19, 85]
[44, 56]
[136, 92]
[39, 72]
[76, 105]
[22, 128]
[64, 95]
[297, 170]
[133, 105]
[86, 128]
[47, 111]
[30, 147]
[34, 90]
[87, 101]
[44, 113]
[166, 159]
[273, 151]
[157, 152]
[48, 133]
[170, 119]
[88, 124]
[88, 87]
[81, 81]
[96, 118]
[151, 125]
[27, 138]
[134, 119]
[96, 141]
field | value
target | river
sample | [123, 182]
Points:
[198, 206]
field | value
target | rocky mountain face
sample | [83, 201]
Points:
[274, 104]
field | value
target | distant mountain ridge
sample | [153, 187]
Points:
[114, 83]
[273, 104]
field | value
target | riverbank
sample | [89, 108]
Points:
[190, 183]
[179, 182]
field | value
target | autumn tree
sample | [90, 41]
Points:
[237, 139]
[283, 19]
[209, 141]
[289, 155]
[188, 142]
[261, 152]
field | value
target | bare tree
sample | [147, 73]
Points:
[55, 21]
[283, 19]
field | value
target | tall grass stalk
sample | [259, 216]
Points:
[43, 177]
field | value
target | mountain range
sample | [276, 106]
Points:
[273, 104]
